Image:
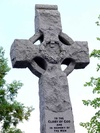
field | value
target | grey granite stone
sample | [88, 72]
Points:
[44, 60]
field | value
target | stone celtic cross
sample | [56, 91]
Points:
[45, 61]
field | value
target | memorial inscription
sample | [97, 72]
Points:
[59, 124]
[45, 61]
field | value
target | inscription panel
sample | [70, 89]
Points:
[59, 122]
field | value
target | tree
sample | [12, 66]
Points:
[11, 111]
[93, 126]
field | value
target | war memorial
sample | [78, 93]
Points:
[45, 60]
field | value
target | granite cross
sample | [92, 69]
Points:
[45, 61]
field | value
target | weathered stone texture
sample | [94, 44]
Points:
[45, 61]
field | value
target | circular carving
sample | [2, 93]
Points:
[51, 51]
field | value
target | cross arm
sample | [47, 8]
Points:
[77, 52]
[80, 54]
[22, 52]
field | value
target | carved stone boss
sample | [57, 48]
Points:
[45, 61]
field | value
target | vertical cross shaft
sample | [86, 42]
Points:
[45, 61]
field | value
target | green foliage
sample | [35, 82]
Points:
[11, 111]
[98, 21]
[95, 84]
[93, 126]
[3, 67]
[95, 53]
[12, 130]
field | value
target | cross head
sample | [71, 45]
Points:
[45, 60]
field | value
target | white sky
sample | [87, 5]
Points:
[78, 21]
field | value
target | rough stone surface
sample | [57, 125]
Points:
[45, 61]
[54, 100]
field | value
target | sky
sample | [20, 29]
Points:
[78, 19]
